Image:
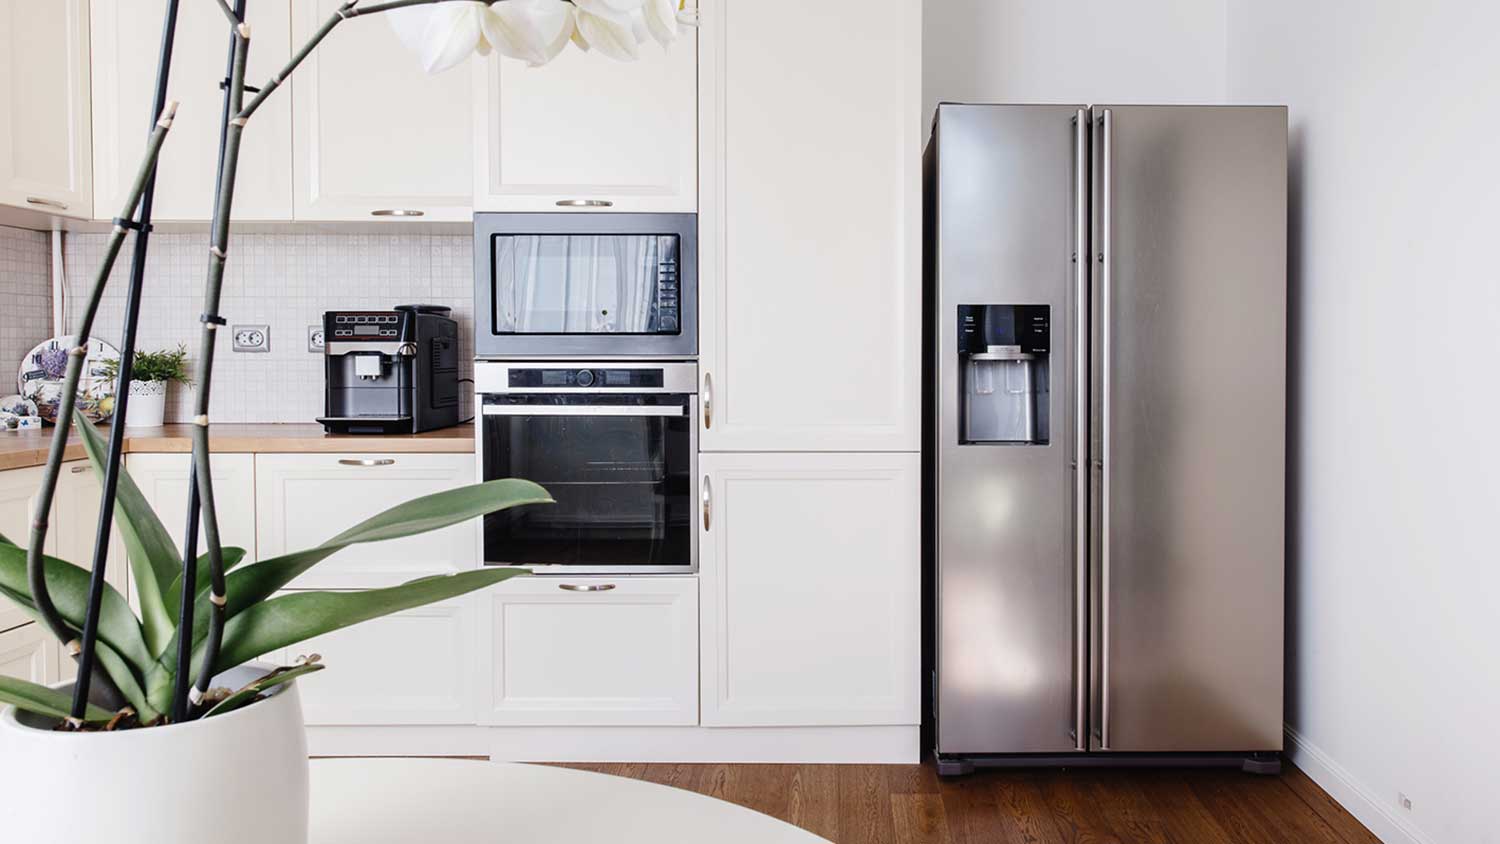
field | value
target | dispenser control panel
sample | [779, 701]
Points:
[1027, 327]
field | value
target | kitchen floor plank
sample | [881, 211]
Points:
[865, 795]
[919, 819]
[1340, 821]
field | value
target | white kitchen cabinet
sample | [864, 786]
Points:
[163, 479]
[621, 135]
[44, 106]
[810, 226]
[303, 500]
[17, 492]
[590, 651]
[125, 37]
[29, 653]
[811, 589]
[413, 667]
[374, 134]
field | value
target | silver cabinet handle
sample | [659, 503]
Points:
[708, 400]
[584, 203]
[1105, 314]
[50, 203]
[708, 503]
[1080, 430]
[366, 461]
[397, 212]
[78, 470]
[585, 587]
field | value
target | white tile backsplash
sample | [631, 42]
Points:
[286, 282]
[25, 298]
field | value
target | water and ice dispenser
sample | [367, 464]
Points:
[1002, 355]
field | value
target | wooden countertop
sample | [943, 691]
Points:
[20, 449]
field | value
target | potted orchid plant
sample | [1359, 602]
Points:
[170, 714]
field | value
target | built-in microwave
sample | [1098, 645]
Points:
[585, 285]
[615, 443]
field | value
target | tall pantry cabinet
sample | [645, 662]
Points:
[810, 239]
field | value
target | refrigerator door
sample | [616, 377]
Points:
[1006, 217]
[1187, 428]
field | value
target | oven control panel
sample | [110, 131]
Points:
[585, 379]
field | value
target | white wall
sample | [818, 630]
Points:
[1394, 675]
[1062, 51]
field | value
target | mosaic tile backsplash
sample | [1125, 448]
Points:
[25, 298]
[286, 282]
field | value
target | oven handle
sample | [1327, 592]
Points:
[584, 410]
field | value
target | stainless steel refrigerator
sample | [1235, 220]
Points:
[1105, 354]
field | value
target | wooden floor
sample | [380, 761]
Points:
[870, 804]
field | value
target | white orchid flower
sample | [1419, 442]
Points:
[661, 20]
[442, 34]
[534, 31]
[608, 28]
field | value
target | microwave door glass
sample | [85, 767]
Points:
[577, 284]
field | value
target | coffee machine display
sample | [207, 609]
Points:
[1002, 351]
[390, 372]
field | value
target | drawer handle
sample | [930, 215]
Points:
[50, 203]
[585, 587]
[366, 461]
[584, 203]
[397, 212]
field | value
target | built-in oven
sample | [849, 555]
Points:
[586, 285]
[616, 444]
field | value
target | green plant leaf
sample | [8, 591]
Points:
[253, 690]
[229, 554]
[5, 540]
[300, 616]
[150, 547]
[251, 584]
[69, 587]
[31, 697]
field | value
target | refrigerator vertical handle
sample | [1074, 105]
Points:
[1080, 429]
[1106, 313]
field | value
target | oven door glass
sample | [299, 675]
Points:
[586, 284]
[619, 467]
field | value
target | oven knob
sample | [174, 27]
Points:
[585, 377]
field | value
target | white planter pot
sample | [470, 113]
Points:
[148, 404]
[240, 778]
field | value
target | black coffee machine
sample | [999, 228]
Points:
[390, 372]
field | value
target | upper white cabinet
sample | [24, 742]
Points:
[375, 137]
[586, 128]
[810, 228]
[810, 570]
[163, 479]
[303, 500]
[125, 37]
[44, 106]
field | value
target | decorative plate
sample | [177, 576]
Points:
[43, 368]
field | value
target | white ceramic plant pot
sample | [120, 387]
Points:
[148, 404]
[239, 778]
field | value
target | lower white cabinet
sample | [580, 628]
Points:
[17, 490]
[303, 500]
[414, 667]
[29, 653]
[590, 651]
[163, 479]
[810, 570]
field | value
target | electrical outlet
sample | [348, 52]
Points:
[251, 338]
[1403, 801]
[315, 339]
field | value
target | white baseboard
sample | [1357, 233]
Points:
[1346, 789]
[804, 745]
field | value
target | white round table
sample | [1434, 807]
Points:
[449, 801]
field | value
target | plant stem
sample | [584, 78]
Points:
[111, 479]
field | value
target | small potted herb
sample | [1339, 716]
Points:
[149, 376]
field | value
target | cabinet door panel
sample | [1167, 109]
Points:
[29, 653]
[75, 521]
[810, 226]
[414, 667]
[125, 36]
[44, 106]
[17, 490]
[588, 127]
[626, 654]
[811, 583]
[163, 479]
[373, 132]
[303, 500]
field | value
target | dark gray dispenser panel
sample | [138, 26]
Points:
[1003, 355]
